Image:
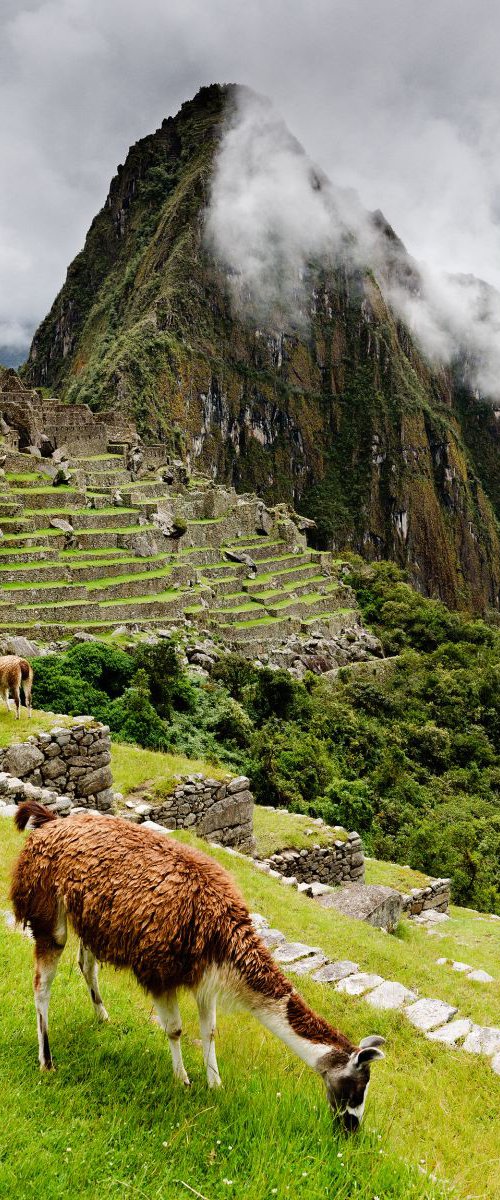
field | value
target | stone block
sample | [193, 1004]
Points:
[22, 759]
[288, 952]
[95, 781]
[482, 1039]
[379, 906]
[54, 769]
[357, 985]
[390, 995]
[450, 1034]
[428, 1014]
[333, 972]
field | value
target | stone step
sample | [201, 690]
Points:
[110, 538]
[32, 480]
[34, 574]
[257, 630]
[32, 539]
[222, 570]
[297, 588]
[116, 588]
[160, 604]
[13, 525]
[97, 518]
[263, 548]
[35, 554]
[106, 481]
[39, 594]
[86, 572]
[221, 586]
[283, 575]
[10, 508]
[330, 623]
[50, 497]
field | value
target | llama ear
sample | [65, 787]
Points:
[373, 1040]
[364, 1056]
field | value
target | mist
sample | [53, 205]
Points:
[396, 102]
[274, 217]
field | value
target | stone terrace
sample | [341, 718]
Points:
[128, 540]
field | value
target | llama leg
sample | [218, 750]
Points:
[170, 1020]
[17, 700]
[47, 955]
[207, 1013]
[88, 966]
[27, 699]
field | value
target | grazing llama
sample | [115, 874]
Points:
[16, 673]
[142, 900]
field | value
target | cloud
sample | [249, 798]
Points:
[274, 218]
[397, 101]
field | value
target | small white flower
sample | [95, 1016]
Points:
[228, 1181]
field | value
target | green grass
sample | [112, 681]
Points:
[112, 1123]
[23, 476]
[281, 830]
[31, 584]
[154, 771]
[45, 491]
[34, 533]
[393, 875]
[19, 731]
[95, 584]
[258, 622]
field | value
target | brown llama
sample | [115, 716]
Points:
[142, 900]
[16, 673]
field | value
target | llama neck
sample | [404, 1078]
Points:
[302, 1030]
[255, 977]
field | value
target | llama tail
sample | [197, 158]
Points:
[26, 669]
[37, 812]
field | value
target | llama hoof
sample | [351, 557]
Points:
[46, 1068]
[101, 1014]
[215, 1083]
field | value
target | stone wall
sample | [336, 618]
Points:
[436, 895]
[335, 864]
[70, 768]
[219, 811]
[72, 762]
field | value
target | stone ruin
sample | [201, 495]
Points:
[69, 768]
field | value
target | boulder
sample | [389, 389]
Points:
[22, 759]
[379, 906]
[60, 523]
[19, 645]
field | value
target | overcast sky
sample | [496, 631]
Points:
[397, 98]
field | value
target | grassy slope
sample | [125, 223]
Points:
[111, 1122]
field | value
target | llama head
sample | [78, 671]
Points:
[347, 1082]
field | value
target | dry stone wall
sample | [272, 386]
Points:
[220, 811]
[335, 864]
[73, 763]
[71, 767]
[436, 895]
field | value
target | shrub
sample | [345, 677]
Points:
[133, 717]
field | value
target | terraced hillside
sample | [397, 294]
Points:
[107, 549]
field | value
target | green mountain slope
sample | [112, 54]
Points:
[348, 420]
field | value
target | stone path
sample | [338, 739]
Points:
[478, 976]
[433, 1017]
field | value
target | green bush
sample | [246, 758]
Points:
[133, 717]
